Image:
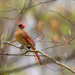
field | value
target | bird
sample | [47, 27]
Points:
[25, 39]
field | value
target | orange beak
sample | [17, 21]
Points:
[23, 26]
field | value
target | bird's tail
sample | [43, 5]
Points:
[37, 57]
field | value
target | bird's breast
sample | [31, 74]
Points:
[19, 38]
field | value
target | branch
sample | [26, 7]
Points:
[43, 54]
[22, 54]
[58, 63]
[39, 4]
[14, 9]
[18, 69]
[49, 57]
[71, 40]
[61, 16]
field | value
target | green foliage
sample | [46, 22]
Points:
[44, 16]
[65, 27]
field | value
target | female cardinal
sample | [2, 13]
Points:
[24, 39]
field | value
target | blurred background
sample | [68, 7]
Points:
[54, 19]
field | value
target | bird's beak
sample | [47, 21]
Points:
[23, 26]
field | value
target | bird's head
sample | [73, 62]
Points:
[20, 25]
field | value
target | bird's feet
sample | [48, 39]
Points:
[22, 47]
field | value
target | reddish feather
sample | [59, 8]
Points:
[35, 56]
[30, 41]
[38, 57]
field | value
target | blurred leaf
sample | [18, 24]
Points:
[45, 5]
[54, 24]
[69, 32]
[2, 40]
[65, 55]
[39, 27]
[32, 0]
[45, 16]
[2, 35]
[56, 37]
[64, 27]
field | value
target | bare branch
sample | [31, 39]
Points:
[51, 58]
[61, 16]
[14, 9]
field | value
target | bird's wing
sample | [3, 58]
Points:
[28, 39]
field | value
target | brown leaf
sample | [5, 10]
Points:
[56, 38]
[43, 37]
[54, 24]
[8, 5]
[39, 27]
[37, 39]
[38, 34]
[65, 55]
[46, 64]
[1, 51]
[52, 39]
[69, 32]
[32, 0]
[45, 5]
[73, 68]
[66, 45]
[2, 35]
[64, 39]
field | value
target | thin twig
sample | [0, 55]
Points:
[23, 9]
[71, 39]
[61, 16]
